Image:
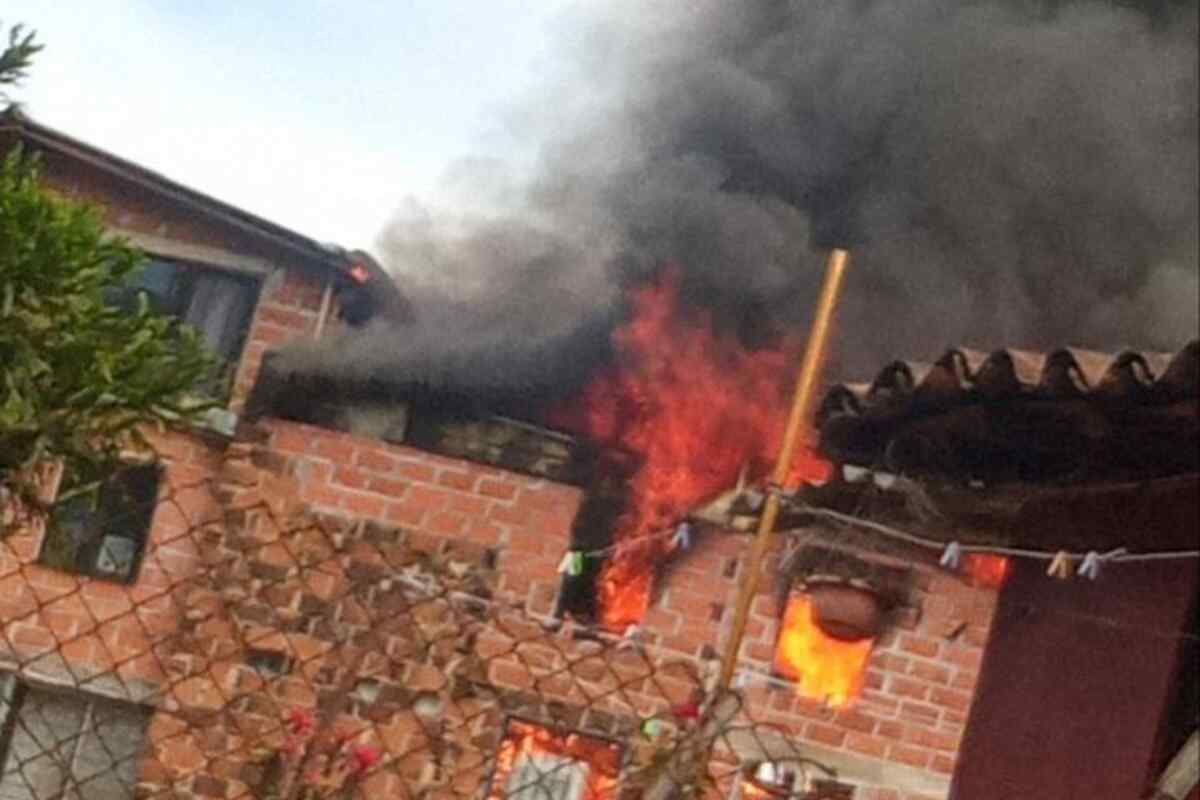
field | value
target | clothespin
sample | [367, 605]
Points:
[1060, 566]
[571, 564]
[651, 727]
[1090, 568]
[683, 536]
[951, 556]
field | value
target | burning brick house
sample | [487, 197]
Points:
[362, 588]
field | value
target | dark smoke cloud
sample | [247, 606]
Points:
[1006, 173]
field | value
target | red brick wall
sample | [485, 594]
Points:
[526, 520]
[921, 674]
[100, 627]
[911, 714]
[288, 308]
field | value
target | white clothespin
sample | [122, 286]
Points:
[1090, 568]
[951, 556]
[682, 539]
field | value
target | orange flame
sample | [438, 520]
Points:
[695, 406]
[987, 570]
[602, 758]
[824, 668]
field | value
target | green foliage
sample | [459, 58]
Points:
[78, 378]
[17, 56]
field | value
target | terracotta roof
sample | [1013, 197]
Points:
[1068, 416]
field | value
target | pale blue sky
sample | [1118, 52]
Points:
[320, 115]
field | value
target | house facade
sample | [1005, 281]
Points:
[277, 608]
[81, 610]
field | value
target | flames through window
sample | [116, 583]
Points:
[835, 607]
[535, 762]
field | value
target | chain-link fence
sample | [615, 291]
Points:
[259, 649]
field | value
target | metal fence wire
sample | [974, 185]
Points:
[266, 651]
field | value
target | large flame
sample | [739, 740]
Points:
[603, 759]
[824, 668]
[694, 406]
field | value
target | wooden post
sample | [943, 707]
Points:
[806, 384]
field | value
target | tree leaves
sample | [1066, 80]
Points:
[77, 376]
[17, 56]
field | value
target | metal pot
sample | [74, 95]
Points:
[846, 612]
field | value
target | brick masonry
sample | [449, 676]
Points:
[907, 723]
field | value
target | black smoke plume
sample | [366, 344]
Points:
[1006, 173]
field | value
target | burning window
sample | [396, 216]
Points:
[828, 668]
[837, 605]
[537, 763]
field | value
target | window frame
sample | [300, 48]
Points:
[497, 791]
[15, 688]
[98, 521]
[183, 287]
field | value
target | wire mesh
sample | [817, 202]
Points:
[266, 651]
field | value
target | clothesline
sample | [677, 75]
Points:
[573, 561]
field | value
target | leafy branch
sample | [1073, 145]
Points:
[17, 56]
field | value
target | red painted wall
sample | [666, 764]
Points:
[1076, 675]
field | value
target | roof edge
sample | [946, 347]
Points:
[13, 119]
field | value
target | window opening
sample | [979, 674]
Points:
[67, 745]
[217, 303]
[104, 533]
[536, 762]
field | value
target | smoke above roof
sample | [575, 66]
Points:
[1006, 173]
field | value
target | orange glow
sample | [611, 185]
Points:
[694, 405]
[752, 791]
[602, 758]
[824, 668]
[987, 570]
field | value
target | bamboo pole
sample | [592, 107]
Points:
[806, 384]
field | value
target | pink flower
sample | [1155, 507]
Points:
[301, 721]
[363, 757]
[688, 710]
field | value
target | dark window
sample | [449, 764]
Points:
[104, 533]
[67, 745]
[217, 303]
